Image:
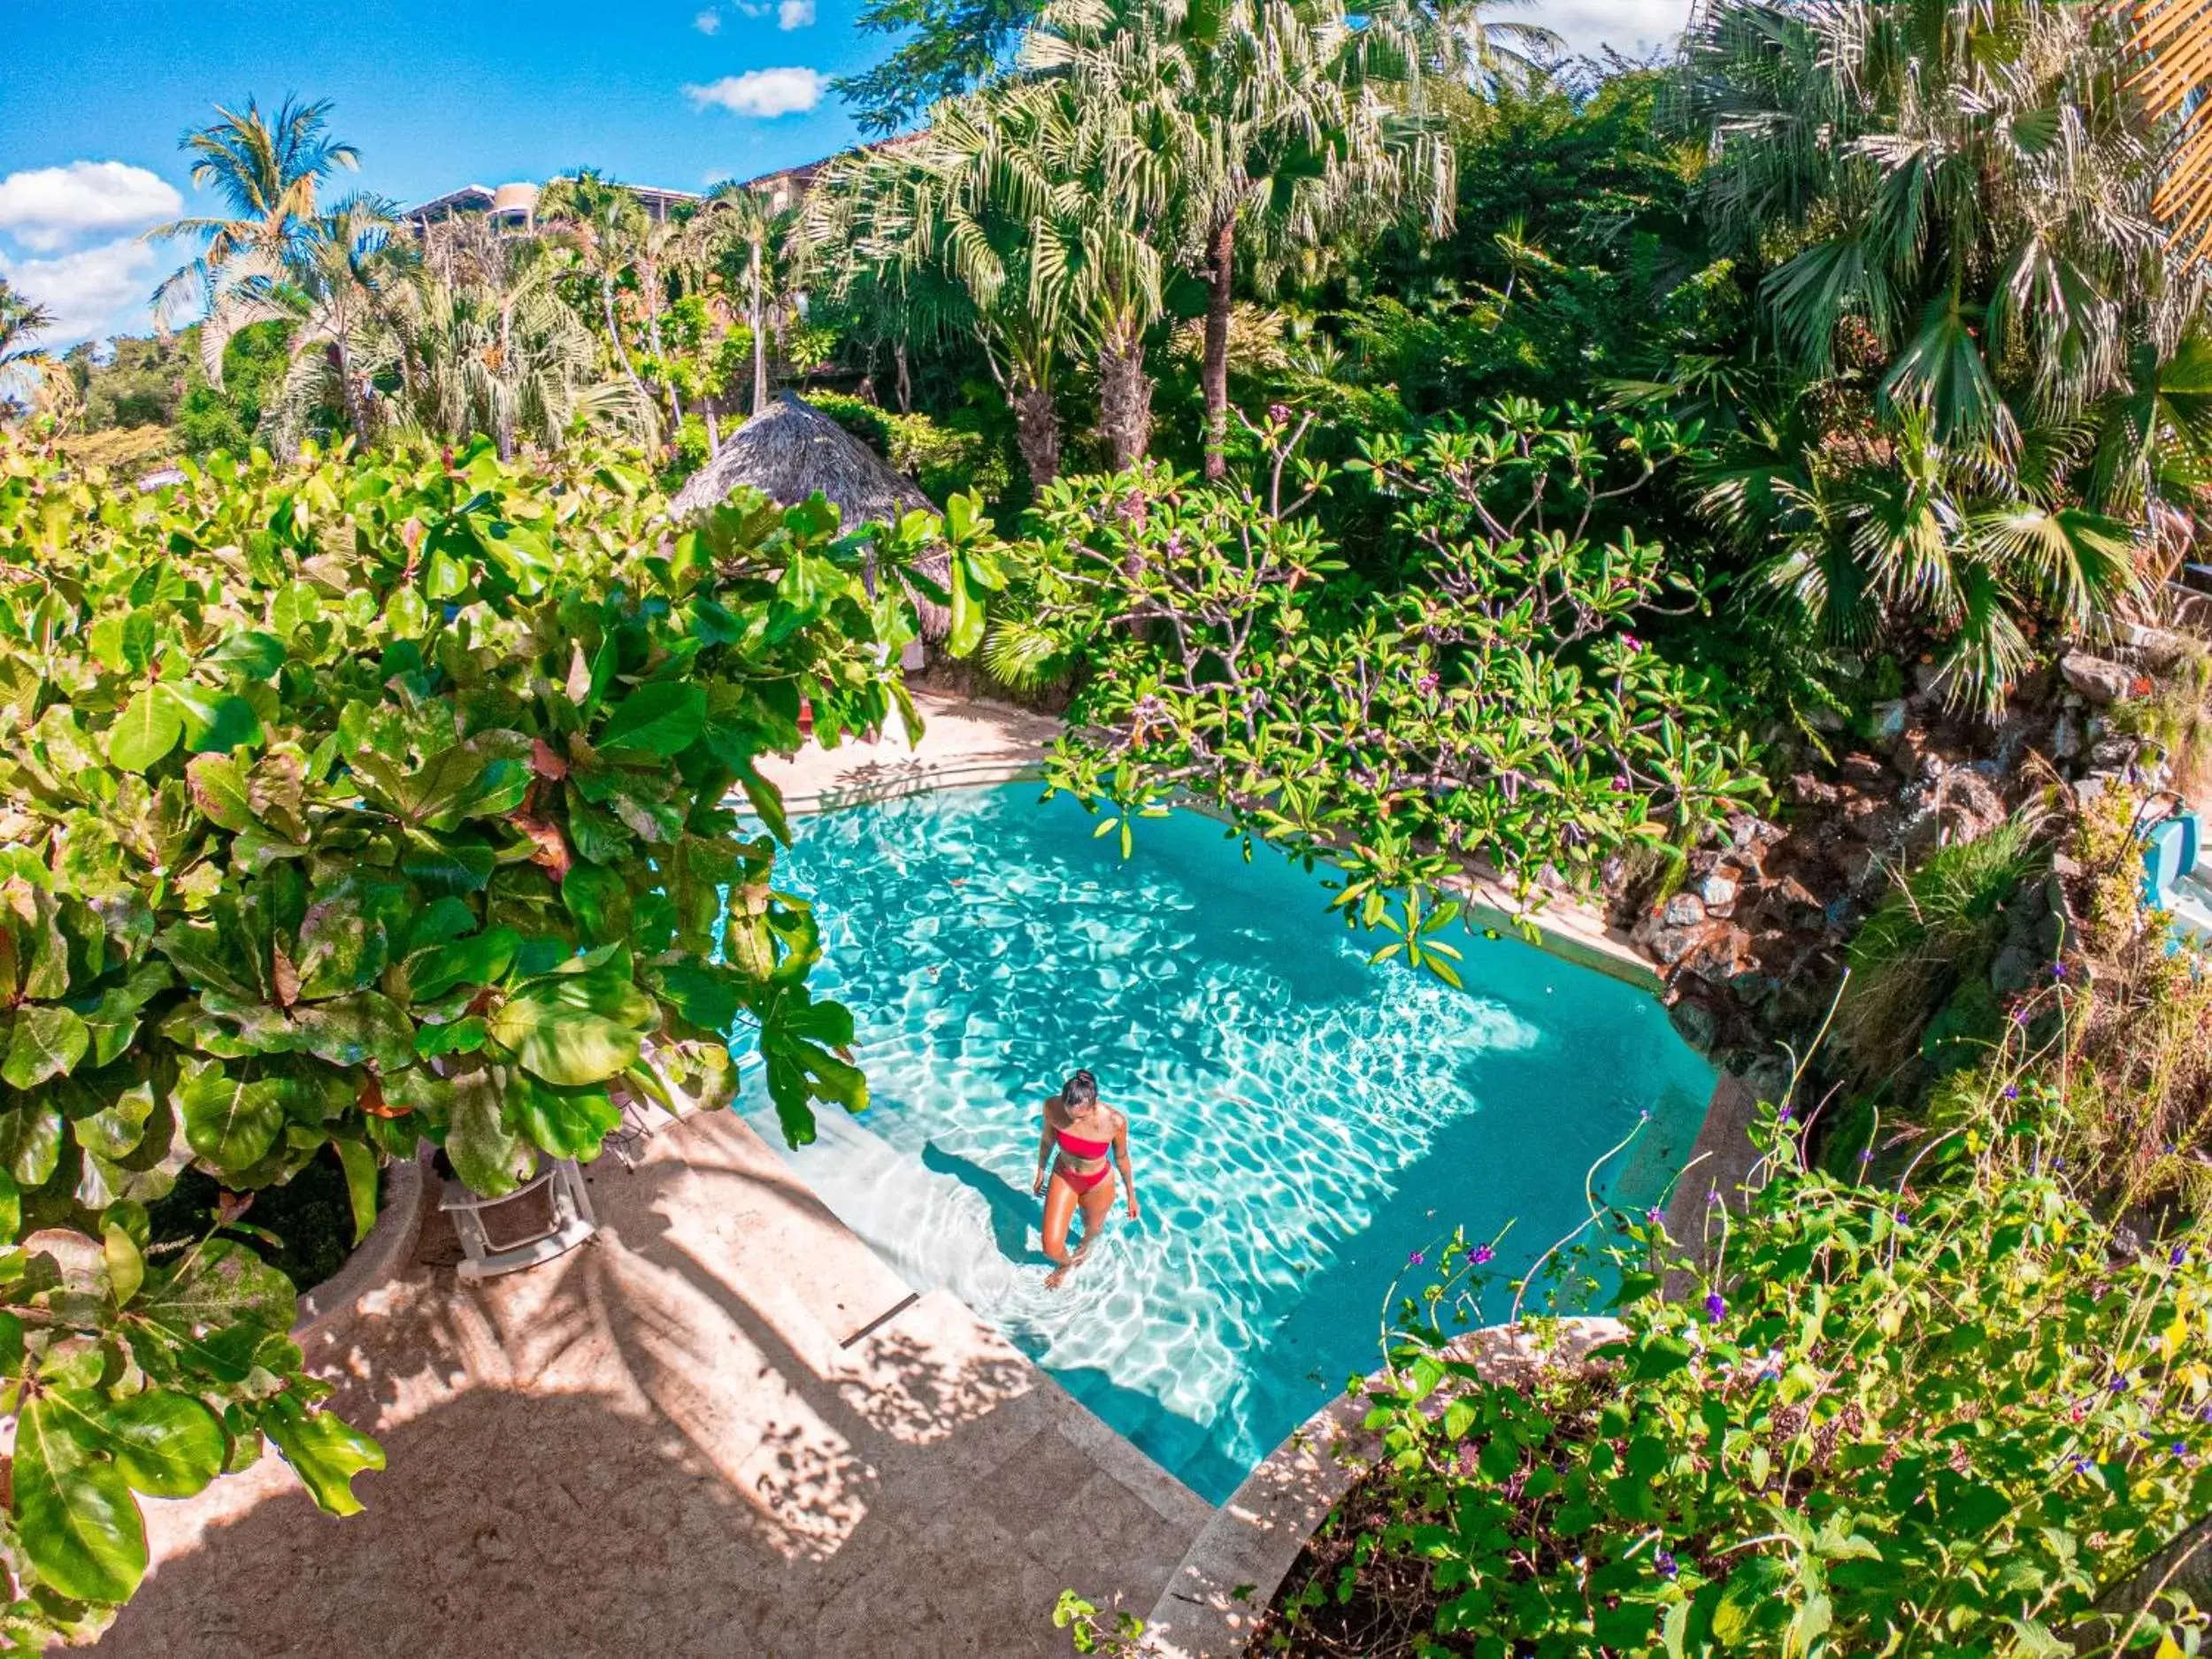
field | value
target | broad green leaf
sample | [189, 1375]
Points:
[126, 1266]
[148, 728]
[227, 1121]
[219, 789]
[366, 1028]
[217, 1301]
[665, 718]
[166, 1444]
[599, 899]
[74, 1515]
[361, 1185]
[213, 723]
[574, 1029]
[45, 1040]
[490, 1157]
[566, 1123]
[325, 1451]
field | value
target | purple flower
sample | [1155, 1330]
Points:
[1484, 1256]
[1716, 1307]
[2012, 1091]
[2180, 1255]
[2058, 969]
[1711, 1199]
[2120, 1384]
[2181, 1448]
[1867, 1157]
[2082, 1465]
[1653, 1215]
[1415, 1259]
[2019, 1016]
[1664, 1561]
[1277, 412]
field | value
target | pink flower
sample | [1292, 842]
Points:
[1483, 1255]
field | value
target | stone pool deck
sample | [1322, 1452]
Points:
[722, 1427]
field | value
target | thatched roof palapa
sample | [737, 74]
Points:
[790, 450]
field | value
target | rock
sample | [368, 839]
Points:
[1888, 719]
[1717, 893]
[1807, 790]
[2090, 788]
[1931, 679]
[1694, 1019]
[1670, 945]
[1861, 868]
[2066, 738]
[1914, 754]
[1768, 1077]
[1968, 807]
[2114, 753]
[2158, 648]
[1796, 905]
[2013, 969]
[1863, 770]
[2098, 680]
[1684, 909]
[1869, 820]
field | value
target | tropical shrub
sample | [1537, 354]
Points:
[944, 460]
[356, 804]
[1957, 1419]
[1494, 706]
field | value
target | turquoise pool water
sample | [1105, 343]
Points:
[1300, 1122]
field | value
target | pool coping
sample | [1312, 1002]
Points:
[973, 744]
[1228, 1578]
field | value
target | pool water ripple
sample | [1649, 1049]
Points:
[1301, 1121]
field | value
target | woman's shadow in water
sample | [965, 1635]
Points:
[1015, 1214]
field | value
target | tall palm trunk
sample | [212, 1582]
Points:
[1037, 431]
[760, 337]
[653, 336]
[614, 332]
[1213, 372]
[1125, 393]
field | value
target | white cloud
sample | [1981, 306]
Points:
[795, 14]
[707, 22]
[1636, 27]
[47, 208]
[93, 293]
[766, 93]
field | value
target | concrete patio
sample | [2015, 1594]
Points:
[722, 1427]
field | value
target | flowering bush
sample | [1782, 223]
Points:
[351, 805]
[1956, 1423]
[1496, 706]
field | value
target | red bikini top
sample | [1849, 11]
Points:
[1075, 1146]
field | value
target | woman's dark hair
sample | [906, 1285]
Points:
[1080, 1089]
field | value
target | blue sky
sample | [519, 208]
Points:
[434, 93]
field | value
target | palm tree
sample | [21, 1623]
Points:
[1969, 186]
[606, 225]
[1272, 120]
[21, 320]
[500, 352]
[963, 232]
[343, 277]
[266, 172]
[740, 216]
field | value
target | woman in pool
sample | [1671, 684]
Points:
[1084, 1131]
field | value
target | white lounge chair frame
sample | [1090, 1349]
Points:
[565, 1196]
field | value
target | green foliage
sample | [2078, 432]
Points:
[1496, 709]
[1946, 1423]
[945, 460]
[358, 804]
[1935, 934]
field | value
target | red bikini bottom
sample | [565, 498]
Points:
[1081, 1182]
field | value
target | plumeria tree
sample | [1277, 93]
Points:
[1497, 709]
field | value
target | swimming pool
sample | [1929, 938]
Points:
[1301, 1123]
